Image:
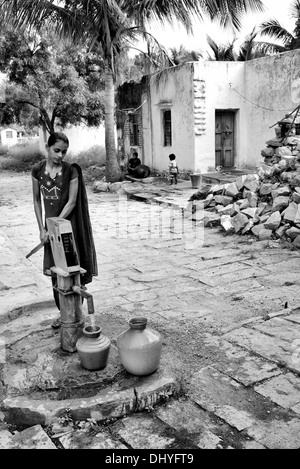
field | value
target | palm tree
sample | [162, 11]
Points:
[251, 48]
[221, 52]
[181, 55]
[109, 25]
[274, 30]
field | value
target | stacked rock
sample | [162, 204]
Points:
[265, 204]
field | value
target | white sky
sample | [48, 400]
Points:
[175, 36]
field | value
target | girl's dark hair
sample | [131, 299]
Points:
[55, 137]
[172, 157]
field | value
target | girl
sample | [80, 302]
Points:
[173, 169]
[61, 186]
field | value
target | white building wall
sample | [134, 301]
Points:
[217, 81]
[175, 92]
[273, 85]
[9, 141]
[260, 91]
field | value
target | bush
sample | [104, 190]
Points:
[94, 156]
[20, 158]
[93, 173]
[23, 156]
[3, 150]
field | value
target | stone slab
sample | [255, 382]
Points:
[216, 254]
[230, 277]
[233, 360]
[280, 328]
[156, 306]
[224, 269]
[142, 295]
[296, 409]
[240, 287]
[294, 318]
[289, 265]
[269, 293]
[213, 263]
[275, 258]
[253, 445]
[229, 400]
[269, 347]
[283, 389]
[189, 311]
[16, 279]
[149, 277]
[6, 439]
[186, 417]
[202, 427]
[140, 431]
[31, 438]
[277, 434]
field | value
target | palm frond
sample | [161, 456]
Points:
[268, 48]
[222, 52]
[256, 49]
[273, 29]
[294, 10]
[230, 12]
[164, 11]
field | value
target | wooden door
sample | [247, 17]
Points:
[224, 139]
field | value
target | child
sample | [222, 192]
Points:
[173, 169]
[61, 187]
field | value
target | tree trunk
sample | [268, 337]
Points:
[46, 120]
[113, 172]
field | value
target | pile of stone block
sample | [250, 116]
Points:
[282, 153]
[265, 204]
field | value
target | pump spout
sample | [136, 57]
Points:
[88, 296]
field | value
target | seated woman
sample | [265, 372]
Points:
[136, 169]
[133, 162]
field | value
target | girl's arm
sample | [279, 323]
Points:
[73, 190]
[37, 204]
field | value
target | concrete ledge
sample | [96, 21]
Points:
[110, 403]
[10, 312]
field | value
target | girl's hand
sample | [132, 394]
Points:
[44, 236]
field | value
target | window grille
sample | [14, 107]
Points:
[134, 130]
[167, 127]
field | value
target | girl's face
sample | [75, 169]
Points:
[57, 151]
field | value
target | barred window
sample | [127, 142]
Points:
[134, 129]
[167, 127]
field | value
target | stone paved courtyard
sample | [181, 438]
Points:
[227, 307]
